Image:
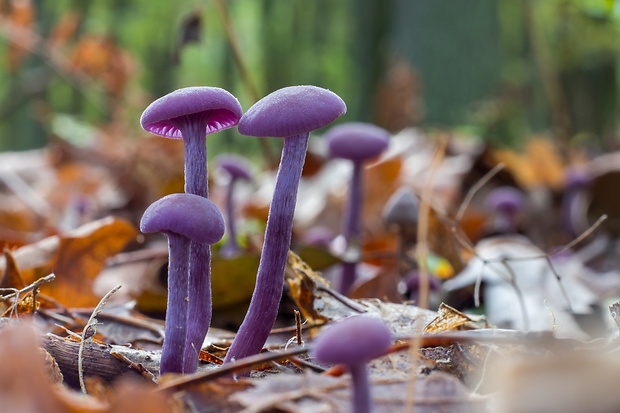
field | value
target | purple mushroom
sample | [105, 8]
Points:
[191, 114]
[356, 142]
[184, 218]
[236, 168]
[354, 342]
[574, 203]
[290, 113]
[505, 203]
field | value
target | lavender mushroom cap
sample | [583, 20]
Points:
[356, 141]
[222, 109]
[505, 199]
[191, 216]
[292, 111]
[236, 166]
[355, 340]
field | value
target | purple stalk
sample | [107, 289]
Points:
[231, 247]
[199, 309]
[362, 401]
[265, 301]
[176, 309]
[351, 230]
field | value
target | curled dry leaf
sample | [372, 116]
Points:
[318, 303]
[76, 258]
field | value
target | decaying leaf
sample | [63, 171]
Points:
[76, 258]
[450, 319]
[318, 303]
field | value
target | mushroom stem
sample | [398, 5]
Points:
[352, 220]
[176, 309]
[231, 247]
[352, 230]
[362, 402]
[195, 143]
[198, 286]
[265, 301]
[198, 313]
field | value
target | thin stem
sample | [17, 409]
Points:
[195, 140]
[352, 219]
[265, 301]
[199, 309]
[176, 309]
[231, 247]
[361, 389]
[352, 229]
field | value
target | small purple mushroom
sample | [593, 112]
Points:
[236, 168]
[505, 203]
[357, 142]
[574, 203]
[290, 113]
[191, 114]
[354, 342]
[184, 218]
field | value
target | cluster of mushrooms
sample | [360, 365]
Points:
[192, 222]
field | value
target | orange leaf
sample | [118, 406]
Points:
[82, 255]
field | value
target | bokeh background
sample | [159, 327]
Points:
[497, 70]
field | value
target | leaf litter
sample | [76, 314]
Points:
[461, 364]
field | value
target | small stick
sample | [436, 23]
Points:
[133, 365]
[87, 333]
[300, 341]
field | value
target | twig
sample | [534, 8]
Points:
[300, 340]
[133, 365]
[472, 191]
[89, 331]
[236, 367]
[32, 287]
[422, 257]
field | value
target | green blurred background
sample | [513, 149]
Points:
[500, 70]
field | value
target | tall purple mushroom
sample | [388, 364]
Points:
[184, 218]
[290, 113]
[357, 142]
[237, 168]
[191, 114]
[354, 342]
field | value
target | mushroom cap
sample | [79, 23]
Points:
[401, 209]
[191, 216]
[505, 199]
[222, 110]
[356, 339]
[577, 178]
[290, 111]
[356, 141]
[236, 166]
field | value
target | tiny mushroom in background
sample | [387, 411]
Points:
[357, 142]
[184, 218]
[401, 211]
[290, 113]
[237, 168]
[354, 342]
[573, 210]
[190, 114]
[505, 203]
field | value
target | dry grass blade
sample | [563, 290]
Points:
[422, 257]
